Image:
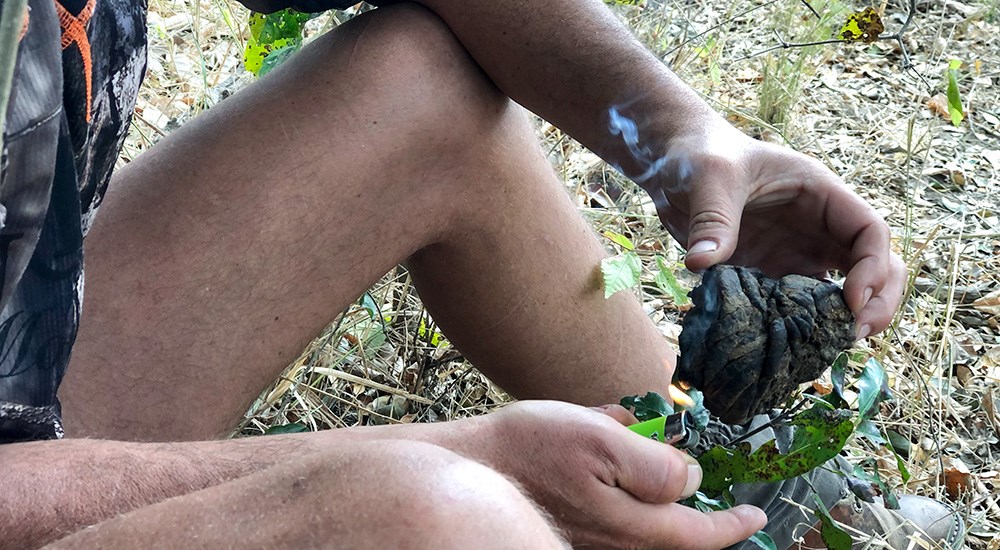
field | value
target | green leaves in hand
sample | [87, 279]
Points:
[820, 436]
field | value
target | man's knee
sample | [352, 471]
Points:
[408, 56]
[438, 498]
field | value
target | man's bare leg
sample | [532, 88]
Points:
[426, 497]
[294, 492]
[219, 254]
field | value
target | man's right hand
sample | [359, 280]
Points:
[603, 484]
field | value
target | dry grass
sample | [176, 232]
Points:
[853, 106]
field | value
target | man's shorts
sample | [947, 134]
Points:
[79, 66]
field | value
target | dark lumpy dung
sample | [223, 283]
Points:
[750, 340]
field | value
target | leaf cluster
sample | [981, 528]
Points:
[624, 271]
[820, 434]
[273, 38]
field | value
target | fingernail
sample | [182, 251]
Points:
[693, 480]
[864, 331]
[703, 247]
[868, 296]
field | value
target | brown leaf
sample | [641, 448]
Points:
[822, 388]
[956, 478]
[964, 374]
[989, 303]
[939, 106]
[990, 408]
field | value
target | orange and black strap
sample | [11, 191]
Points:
[74, 32]
[24, 27]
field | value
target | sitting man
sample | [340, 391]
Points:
[397, 137]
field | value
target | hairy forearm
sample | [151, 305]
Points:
[52, 489]
[570, 61]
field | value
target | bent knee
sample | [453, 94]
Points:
[440, 498]
[407, 60]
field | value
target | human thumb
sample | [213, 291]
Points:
[713, 231]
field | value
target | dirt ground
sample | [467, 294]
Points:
[874, 113]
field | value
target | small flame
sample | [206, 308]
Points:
[680, 398]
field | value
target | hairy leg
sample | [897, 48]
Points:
[220, 253]
[292, 492]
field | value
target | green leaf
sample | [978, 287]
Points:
[954, 97]
[868, 429]
[273, 38]
[433, 337]
[285, 23]
[710, 503]
[763, 540]
[650, 406]
[903, 472]
[873, 388]
[719, 466]
[838, 372]
[819, 436]
[821, 400]
[277, 57]
[728, 496]
[865, 25]
[899, 443]
[620, 272]
[292, 428]
[620, 240]
[368, 303]
[868, 471]
[667, 283]
[834, 537]
[255, 54]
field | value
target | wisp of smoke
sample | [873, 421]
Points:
[651, 164]
[621, 125]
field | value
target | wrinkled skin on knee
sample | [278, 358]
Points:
[751, 340]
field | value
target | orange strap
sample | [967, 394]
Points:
[24, 27]
[74, 31]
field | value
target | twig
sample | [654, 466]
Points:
[935, 430]
[152, 126]
[897, 36]
[785, 415]
[371, 384]
[812, 9]
[11, 23]
[783, 45]
[716, 26]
